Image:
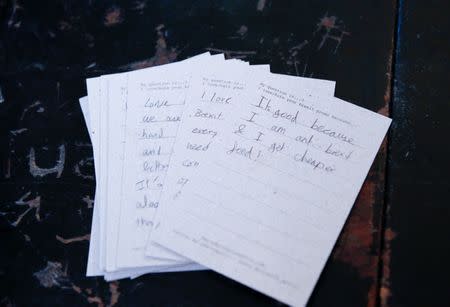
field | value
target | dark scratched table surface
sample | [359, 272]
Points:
[391, 57]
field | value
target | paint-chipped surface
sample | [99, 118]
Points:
[52, 275]
[47, 168]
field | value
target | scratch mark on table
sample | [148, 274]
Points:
[37, 171]
[87, 199]
[18, 131]
[334, 30]
[79, 165]
[35, 104]
[2, 99]
[74, 239]
[15, 8]
[34, 203]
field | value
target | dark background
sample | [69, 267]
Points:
[391, 57]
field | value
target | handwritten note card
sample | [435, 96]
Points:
[211, 100]
[110, 93]
[266, 205]
[216, 164]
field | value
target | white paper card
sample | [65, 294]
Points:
[157, 101]
[266, 205]
[211, 100]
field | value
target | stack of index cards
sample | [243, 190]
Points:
[216, 164]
